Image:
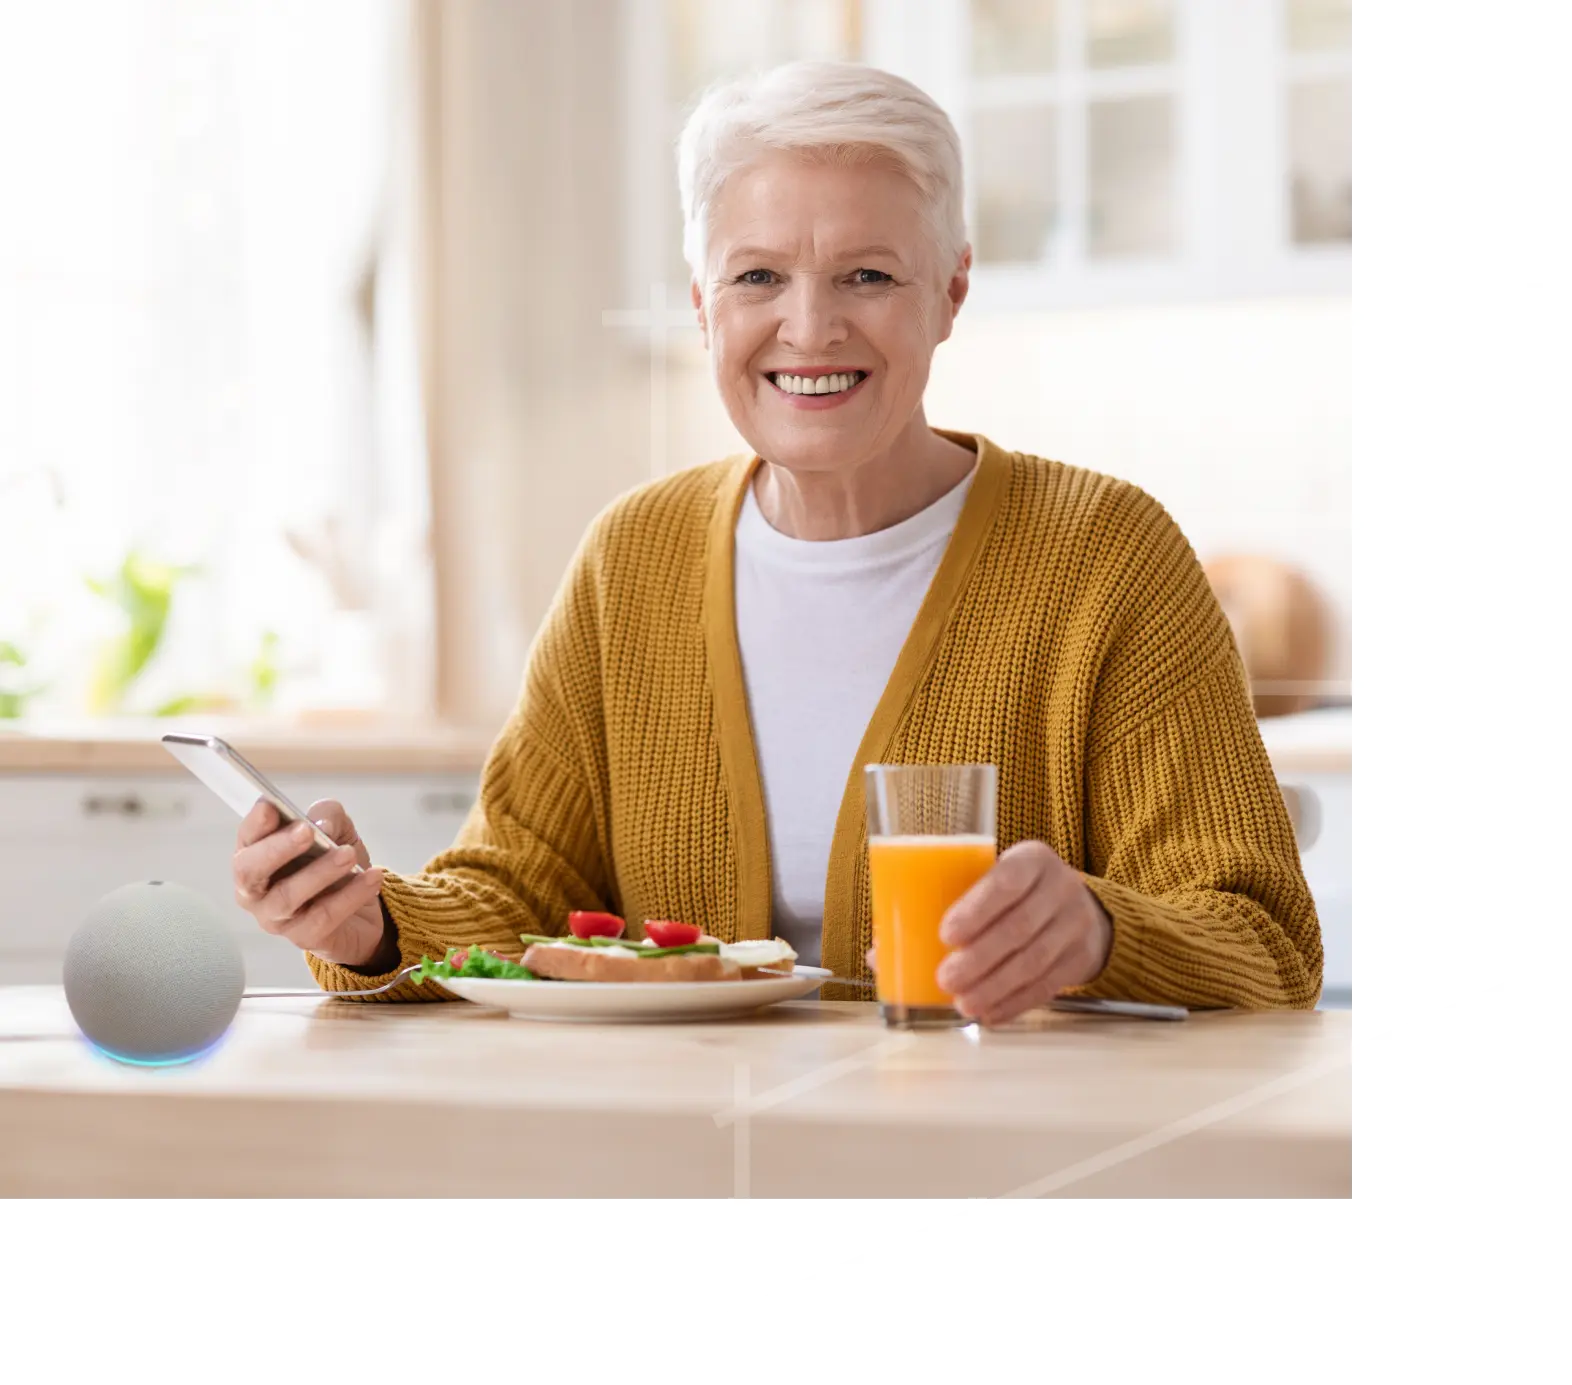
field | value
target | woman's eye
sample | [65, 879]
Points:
[756, 278]
[871, 276]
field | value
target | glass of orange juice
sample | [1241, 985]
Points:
[930, 839]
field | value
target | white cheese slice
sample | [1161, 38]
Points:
[759, 952]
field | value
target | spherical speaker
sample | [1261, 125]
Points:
[153, 975]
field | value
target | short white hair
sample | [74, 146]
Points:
[839, 112]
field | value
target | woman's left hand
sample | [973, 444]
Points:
[1021, 934]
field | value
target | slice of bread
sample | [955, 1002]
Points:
[771, 973]
[761, 959]
[553, 962]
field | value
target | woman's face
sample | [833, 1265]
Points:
[819, 273]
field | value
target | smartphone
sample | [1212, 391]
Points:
[240, 783]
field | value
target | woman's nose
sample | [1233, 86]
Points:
[811, 321]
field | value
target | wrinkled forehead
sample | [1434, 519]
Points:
[814, 212]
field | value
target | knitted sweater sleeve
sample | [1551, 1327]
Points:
[532, 847]
[1189, 844]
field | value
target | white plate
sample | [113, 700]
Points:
[635, 1001]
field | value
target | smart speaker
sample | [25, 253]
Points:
[153, 975]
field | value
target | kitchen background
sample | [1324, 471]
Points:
[326, 328]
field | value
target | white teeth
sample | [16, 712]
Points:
[819, 384]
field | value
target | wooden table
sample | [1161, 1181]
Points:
[331, 1098]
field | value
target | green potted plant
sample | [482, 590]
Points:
[143, 590]
[15, 689]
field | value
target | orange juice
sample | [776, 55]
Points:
[914, 880]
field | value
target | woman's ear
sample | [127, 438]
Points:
[697, 295]
[959, 286]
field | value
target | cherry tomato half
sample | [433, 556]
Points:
[669, 933]
[586, 924]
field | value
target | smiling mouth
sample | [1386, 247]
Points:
[836, 383]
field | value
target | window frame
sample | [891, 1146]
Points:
[1232, 72]
[1231, 75]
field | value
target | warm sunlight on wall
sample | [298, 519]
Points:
[1236, 416]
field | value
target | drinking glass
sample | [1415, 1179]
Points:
[930, 839]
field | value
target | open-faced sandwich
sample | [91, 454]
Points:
[596, 950]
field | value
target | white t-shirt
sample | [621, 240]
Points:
[820, 626]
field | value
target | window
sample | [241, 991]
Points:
[207, 391]
[1320, 99]
[1117, 151]
[1072, 130]
[1126, 151]
[677, 49]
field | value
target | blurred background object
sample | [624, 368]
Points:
[1281, 627]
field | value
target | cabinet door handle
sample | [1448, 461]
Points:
[132, 805]
[1304, 812]
[454, 802]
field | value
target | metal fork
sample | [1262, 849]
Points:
[330, 995]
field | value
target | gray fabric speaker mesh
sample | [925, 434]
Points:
[153, 972]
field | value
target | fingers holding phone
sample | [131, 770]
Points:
[329, 815]
[315, 898]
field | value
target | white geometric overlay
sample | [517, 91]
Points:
[1533, 527]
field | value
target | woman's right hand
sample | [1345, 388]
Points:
[323, 907]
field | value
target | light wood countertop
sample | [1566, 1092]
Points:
[352, 747]
[1314, 742]
[328, 1098]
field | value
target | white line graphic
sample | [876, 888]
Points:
[1531, 525]
[812, 1081]
[1177, 1130]
[659, 320]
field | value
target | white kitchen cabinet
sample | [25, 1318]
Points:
[67, 839]
[1328, 866]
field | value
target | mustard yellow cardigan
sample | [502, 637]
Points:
[1069, 637]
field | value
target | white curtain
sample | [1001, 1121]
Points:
[197, 195]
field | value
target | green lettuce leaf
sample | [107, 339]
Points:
[476, 962]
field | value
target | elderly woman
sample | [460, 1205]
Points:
[733, 643]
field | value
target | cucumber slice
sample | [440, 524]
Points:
[528, 939]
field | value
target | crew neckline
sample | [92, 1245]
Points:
[759, 539]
